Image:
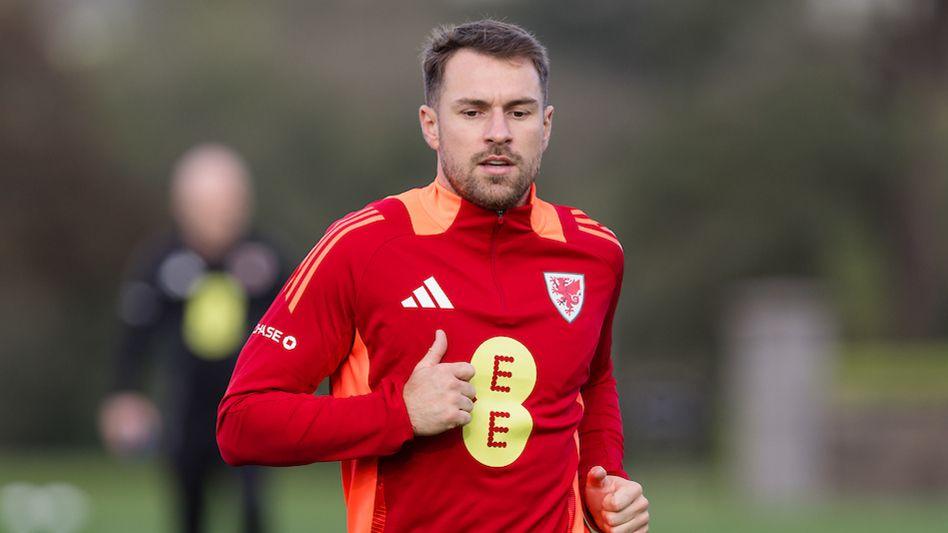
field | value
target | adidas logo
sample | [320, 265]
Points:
[428, 296]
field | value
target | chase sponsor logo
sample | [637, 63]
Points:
[269, 332]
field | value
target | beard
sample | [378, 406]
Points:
[493, 192]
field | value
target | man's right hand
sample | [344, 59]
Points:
[439, 396]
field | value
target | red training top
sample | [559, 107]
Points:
[527, 296]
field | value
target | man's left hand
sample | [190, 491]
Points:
[616, 504]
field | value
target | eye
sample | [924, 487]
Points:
[471, 113]
[520, 113]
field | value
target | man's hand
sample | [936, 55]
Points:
[616, 504]
[438, 395]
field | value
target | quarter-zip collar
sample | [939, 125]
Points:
[434, 209]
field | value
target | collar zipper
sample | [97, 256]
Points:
[494, 258]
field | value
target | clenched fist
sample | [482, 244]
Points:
[616, 504]
[439, 395]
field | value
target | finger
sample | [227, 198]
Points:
[640, 522]
[637, 524]
[462, 371]
[596, 477]
[467, 389]
[623, 516]
[436, 352]
[623, 496]
[465, 404]
[640, 504]
[462, 418]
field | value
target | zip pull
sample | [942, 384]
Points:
[500, 218]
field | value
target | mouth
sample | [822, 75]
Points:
[496, 161]
[496, 165]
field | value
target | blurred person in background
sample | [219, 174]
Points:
[509, 421]
[191, 298]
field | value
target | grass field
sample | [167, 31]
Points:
[133, 498]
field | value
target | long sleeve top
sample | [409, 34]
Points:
[527, 296]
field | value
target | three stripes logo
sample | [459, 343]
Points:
[428, 296]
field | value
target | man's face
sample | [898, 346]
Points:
[490, 128]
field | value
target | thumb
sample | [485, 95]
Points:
[596, 477]
[436, 352]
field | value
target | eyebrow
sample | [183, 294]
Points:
[476, 102]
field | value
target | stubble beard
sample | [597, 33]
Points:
[496, 193]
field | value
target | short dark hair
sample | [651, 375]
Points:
[492, 37]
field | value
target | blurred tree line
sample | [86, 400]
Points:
[720, 141]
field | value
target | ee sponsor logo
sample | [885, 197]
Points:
[269, 332]
[500, 425]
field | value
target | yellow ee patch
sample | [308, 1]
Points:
[505, 374]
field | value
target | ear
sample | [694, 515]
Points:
[547, 125]
[428, 118]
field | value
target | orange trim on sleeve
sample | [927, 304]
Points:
[360, 484]
[319, 259]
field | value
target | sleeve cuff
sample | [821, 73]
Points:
[398, 428]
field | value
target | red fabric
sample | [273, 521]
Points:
[491, 268]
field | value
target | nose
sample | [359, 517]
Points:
[498, 131]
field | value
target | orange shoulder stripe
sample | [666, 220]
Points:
[295, 298]
[592, 224]
[352, 216]
[309, 257]
[312, 253]
[330, 232]
[599, 233]
[592, 227]
[586, 220]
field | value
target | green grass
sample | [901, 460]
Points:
[134, 497]
[695, 500]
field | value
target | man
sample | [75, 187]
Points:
[510, 420]
[198, 290]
